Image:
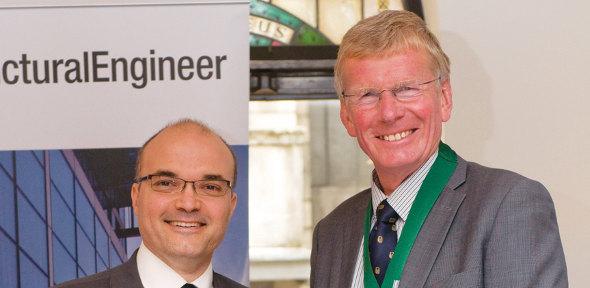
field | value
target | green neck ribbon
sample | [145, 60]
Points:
[435, 181]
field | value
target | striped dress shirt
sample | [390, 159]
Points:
[401, 200]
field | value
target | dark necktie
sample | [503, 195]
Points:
[383, 239]
[188, 285]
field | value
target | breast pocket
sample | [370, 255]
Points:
[467, 279]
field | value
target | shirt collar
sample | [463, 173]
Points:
[154, 273]
[403, 196]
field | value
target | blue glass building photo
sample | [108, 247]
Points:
[57, 223]
[66, 214]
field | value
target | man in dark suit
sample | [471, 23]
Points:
[183, 199]
[430, 218]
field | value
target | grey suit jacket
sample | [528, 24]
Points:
[127, 276]
[489, 228]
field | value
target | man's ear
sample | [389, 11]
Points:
[234, 202]
[134, 195]
[446, 99]
[345, 118]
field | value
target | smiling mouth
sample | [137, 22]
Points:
[182, 224]
[397, 136]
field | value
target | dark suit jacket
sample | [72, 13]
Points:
[127, 276]
[488, 228]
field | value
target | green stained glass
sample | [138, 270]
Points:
[256, 40]
[273, 26]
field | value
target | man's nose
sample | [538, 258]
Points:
[389, 108]
[188, 199]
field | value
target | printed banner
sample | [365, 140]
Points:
[81, 87]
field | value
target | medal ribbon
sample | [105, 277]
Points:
[435, 181]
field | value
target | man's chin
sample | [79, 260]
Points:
[188, 251]
[396, 162]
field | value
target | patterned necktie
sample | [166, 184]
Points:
[383, 239]
[188, 285]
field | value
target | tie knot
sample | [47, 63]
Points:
[385, 213]
[188, 285]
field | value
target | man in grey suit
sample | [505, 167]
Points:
[430, 218]
[183, 199]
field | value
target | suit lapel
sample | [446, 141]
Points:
[352, 234]
[127, 276]
[434, 231]
[220, 281]
[217, 281]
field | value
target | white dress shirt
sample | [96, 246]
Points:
[401, 201]
[154, 273]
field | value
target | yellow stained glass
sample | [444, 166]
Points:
[303, 9]
[372, 7]
[337, 16]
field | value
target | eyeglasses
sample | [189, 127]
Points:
[366, 98]
[172, 185]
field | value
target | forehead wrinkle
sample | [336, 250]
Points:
[391, 82]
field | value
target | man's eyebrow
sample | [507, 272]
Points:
[165, 173]
[213, 177]
[169, 173]
[405, 83]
